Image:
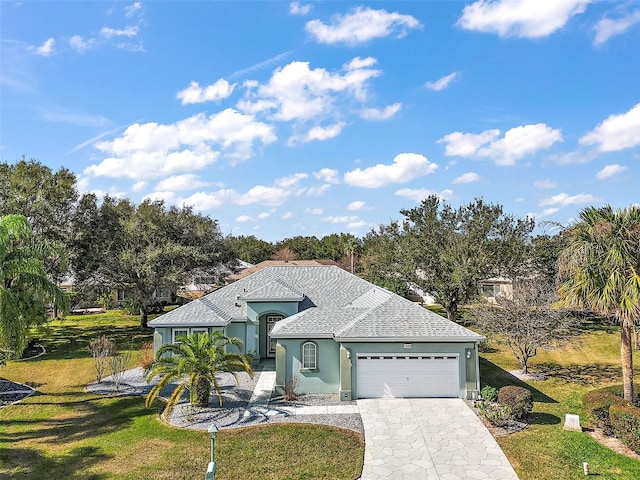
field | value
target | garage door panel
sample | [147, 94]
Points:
[407, 376]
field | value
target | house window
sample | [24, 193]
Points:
[309, 356]
[195, 331]
[179, 332]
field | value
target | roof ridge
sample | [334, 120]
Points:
[215, 308]
[294, 289]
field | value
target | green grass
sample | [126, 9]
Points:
[64, 432]
[544, 450]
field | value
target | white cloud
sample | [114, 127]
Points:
[130, 31]
[131, 10]
[520, 18]
[361, 25]
[610, 171]
[167, 197]
[194, 93]
[327, 175]
[607, 28]
[275, 195]
[617, 132]
[263, 215]
[381, 113]
[405, 167]
[563, 200]
[243, 219]
[44, 50]
[324, 133]
[441, 83]
[318, 191]
[153, 150]
[516, 143]
[314, 211]
[296, 8]
[460, 144]
[79, 44]
[468, 177]
[287, 215]
[341, 219]
[139, 186]
[181, 183]
[296, 92]
[356, 205]
[419, 194]
[545, 184]
[291, 180]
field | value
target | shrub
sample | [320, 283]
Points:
[625, 420]
[290, 386]
[489, 393]
[518, 399]
[146, 355]
[118, 363]
[101, 349]
[597, 404]
[495, 414]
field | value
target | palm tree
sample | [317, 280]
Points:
[351, 247]
[24, 286]
[194, 363]
[600, 269]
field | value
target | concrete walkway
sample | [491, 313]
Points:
[259, 401]
[431, 439]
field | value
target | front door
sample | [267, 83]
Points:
[271, 342]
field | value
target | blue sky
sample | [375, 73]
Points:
[308, 118]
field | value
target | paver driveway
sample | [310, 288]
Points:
[428, 438]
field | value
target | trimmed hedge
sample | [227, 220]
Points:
[597, 404]
[625, 420]
[518, 399]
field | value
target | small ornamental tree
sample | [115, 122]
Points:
[194, 364]
[528, 321]
[101, 349]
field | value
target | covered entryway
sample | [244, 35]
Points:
[396, 375]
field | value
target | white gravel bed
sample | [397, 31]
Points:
[235, 400]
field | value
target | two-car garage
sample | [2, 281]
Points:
[418, 375]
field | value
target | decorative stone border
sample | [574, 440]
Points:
[13, 389]
[44, 350]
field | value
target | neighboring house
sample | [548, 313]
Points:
[335, 333]
[492, 288]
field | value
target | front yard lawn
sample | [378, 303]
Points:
[63, 432]
[544, 450]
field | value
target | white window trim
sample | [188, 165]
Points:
[307, 368]
[199, 330]
[178, 332]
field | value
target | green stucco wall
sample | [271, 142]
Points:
[327, 377]
[256, 326]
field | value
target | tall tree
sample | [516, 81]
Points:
[352, 246]
[251, 249]
[194, 363]
[306, 248]
[142, 248]
[46, 198]
[383, 261]
[600, 271]
[25, 289]
[448, 250]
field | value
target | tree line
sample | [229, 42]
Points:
[112, 243]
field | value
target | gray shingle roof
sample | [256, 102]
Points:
[332, 303]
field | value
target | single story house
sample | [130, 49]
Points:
[335, 333]
[495, 287]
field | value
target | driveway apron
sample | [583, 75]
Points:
[428, 438]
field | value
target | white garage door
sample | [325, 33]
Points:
[407, 376]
